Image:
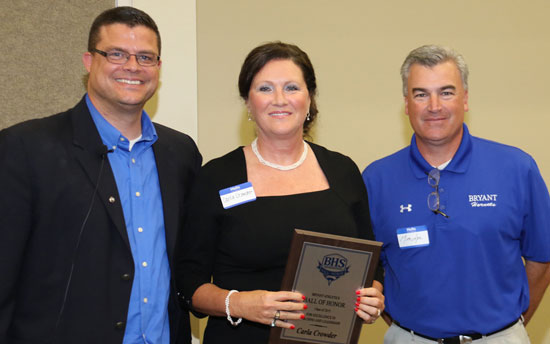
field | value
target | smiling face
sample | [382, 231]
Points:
[122, 88]
[435, 103]
[279, 100]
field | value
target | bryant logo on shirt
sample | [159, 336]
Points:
[485, 200]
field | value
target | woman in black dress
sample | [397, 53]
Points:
[233, 251]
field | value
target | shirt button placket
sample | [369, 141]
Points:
[442, 198]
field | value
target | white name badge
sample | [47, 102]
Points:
[410, 237]
[237, 195]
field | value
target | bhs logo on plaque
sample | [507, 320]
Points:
[333, 266]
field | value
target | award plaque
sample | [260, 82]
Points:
[327, 269]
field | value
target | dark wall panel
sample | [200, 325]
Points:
[41, 71]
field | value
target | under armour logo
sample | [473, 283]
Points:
[409, 208]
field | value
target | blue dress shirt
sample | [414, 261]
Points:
[136, 176]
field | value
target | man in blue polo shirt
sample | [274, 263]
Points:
[456, 214]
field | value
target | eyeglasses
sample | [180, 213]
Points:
[433, 197]
[121, 57]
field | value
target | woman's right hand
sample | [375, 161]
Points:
[261, 306]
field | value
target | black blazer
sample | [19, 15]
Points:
[48, 171]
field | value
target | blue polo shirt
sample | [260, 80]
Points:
[461, 274]
[136, 176]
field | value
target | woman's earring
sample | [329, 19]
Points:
[308, 117]
[249, 117]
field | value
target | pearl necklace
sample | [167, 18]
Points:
[300, 161]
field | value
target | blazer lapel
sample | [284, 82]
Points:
[168, 175]
[89, 151]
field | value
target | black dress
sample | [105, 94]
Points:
[246, 247]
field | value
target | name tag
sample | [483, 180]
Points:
[410, 237]
[237, 195]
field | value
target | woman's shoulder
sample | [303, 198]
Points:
[226, 169]
[235, 157]
[331, 158]
[342, 173]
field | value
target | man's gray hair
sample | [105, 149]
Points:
[429, 56]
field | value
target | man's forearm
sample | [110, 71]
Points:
[538, 277]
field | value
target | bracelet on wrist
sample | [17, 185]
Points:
[234, 323]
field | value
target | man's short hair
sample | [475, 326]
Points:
[431, 55]
[126, 15]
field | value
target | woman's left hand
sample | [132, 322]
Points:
[370, 303]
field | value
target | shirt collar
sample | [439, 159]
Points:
[459, 163]
[112, 137]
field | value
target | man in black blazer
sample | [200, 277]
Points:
[91, 202]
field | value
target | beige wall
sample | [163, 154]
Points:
[175, 103]
[357, 47]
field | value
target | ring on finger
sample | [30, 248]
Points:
[277, 315]
[275, 318]
[379, 312]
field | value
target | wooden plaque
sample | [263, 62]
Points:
[327, 269]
